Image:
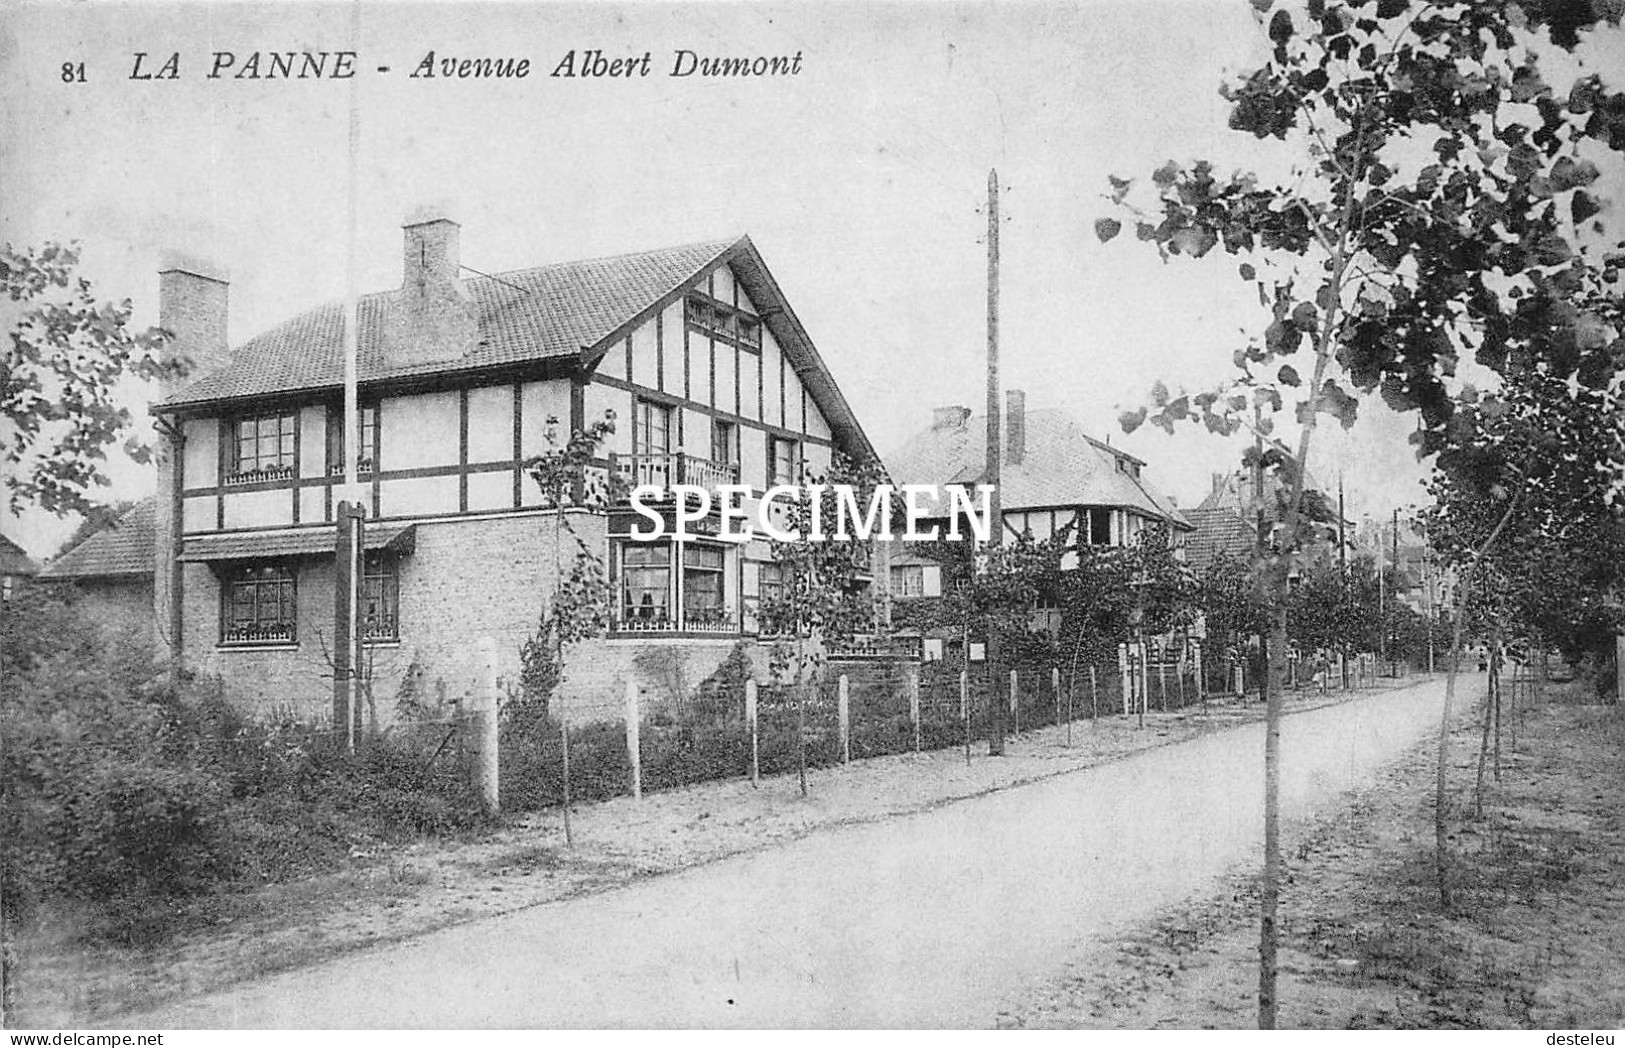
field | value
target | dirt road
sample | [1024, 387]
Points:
[932, 920]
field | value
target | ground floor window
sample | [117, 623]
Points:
[669, 586]
[260, 605]
[381, 599]
[703, 601]
[646, 585]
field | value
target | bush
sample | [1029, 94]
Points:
[123, 792]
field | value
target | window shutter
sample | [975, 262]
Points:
[932, 575]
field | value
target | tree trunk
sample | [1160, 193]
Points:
[1270, 893]
[1495, 694]
[801, 732]
[1484, 744]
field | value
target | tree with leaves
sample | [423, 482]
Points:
[823, 598]
[64, 381]
[583, 598]
[1441, 210]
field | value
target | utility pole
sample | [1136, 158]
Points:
[1259, 537]
[1394, 669]
[995, 737]
[348, 545]
[1382, 605]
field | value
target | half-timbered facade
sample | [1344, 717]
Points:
[1056, 482]
[693, 351]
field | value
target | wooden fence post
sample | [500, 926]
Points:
[964, 708]
[750, 725]
[483, 728]
[843, 711]
[1015, 702]
[1094, 699]
[1055, 686]
[912, 678]
[633, 750]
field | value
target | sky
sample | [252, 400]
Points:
[862, 180]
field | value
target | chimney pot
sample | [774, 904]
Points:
[1015, 426]
[952, 416]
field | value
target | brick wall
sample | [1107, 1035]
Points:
[465, 580]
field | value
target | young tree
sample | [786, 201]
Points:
[568, 475]
[61, 387]
[822, 599]
[1437, 217]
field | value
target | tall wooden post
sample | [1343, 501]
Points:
[912, 679]
[964, 708]
[995, 452]
[750, 726]
[843, 712]
[347, 575]
[634, 752]
[1055, 687]
[1015, 701]
[484, 731]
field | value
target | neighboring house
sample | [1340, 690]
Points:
[16, 568]
[1226, 520]
[112, 569]
[695, 350]
[1055, 481]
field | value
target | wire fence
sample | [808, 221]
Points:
[858, 710]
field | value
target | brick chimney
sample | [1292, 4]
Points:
[433, 318]
[1015, 426]
[192, 297]
[951, 417]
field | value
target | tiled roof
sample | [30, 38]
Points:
[1062, 466]
[529, 314]
[13, 561]
[1219, 530]
[125, 547]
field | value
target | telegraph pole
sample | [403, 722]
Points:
[1343, 574]
[995, 736]
[348, 545]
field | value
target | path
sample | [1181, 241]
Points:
[930, 920]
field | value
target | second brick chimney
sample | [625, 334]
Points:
[433, 318]
[1015, 426]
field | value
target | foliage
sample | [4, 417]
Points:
[60, 387]
[123, 793]
[823, 596]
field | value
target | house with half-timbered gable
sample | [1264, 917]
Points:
[694, 351]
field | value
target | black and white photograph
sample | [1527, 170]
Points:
[772, 515]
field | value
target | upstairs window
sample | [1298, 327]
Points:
[908, 580]
[724, 443]
[366, 454]
[770, 587]
[651, 429]
[710, 317]
[262, 449]
[784, 465]
[260, 606]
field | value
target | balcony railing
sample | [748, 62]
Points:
[675, 468]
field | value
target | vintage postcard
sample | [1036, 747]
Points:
[931, 515]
